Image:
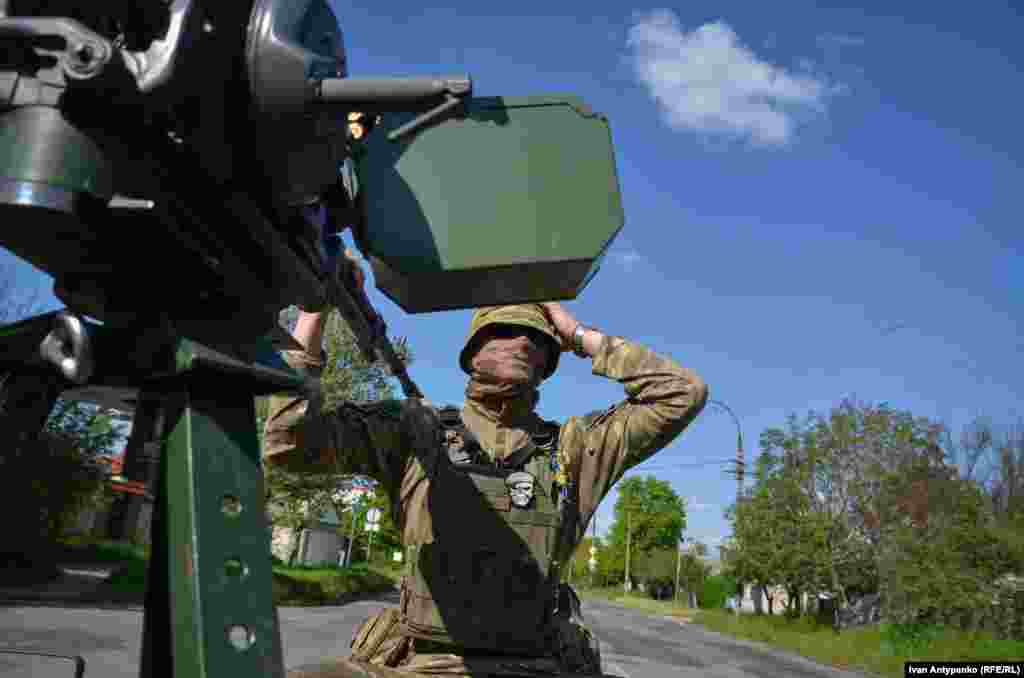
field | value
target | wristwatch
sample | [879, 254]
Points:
[577, 340]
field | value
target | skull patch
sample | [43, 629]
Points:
[520, 488]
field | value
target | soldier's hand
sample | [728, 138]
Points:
[565, 324]
[356, 267]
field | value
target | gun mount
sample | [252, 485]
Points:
[178, 167]
[165, 143]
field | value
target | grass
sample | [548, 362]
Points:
[79, 549]
[127, 584]
[311, 585]
[879, 650]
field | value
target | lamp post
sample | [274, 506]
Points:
[739, 462]
[680, 548]
[739, 446]
[352, 532]
[627, 585]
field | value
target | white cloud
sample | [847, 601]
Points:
[700, 506]
[707, 80]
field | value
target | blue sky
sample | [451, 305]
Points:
[797, 179]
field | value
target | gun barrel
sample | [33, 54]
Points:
[390, 94]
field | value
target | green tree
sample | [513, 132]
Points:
[837, 461]
[655, 515]
[867, 498]
[716, 589]
[655, 567]
[755, 553]
[992, 457]
[693, 572]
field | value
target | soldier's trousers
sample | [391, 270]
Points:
[379, 652]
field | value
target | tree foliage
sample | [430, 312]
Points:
[693, 571]
[716, 589]
[868, 498]
[294, 499]
[992, 457]
[46, 482]
[656, 518]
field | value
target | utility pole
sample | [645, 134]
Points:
[740, 462]
[679, 562]
[352, 533]
[627, 585]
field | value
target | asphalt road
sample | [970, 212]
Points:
[633, 645]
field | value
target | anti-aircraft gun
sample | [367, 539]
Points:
[180, 167]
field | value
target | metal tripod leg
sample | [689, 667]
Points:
[209, 609]
[141, 464]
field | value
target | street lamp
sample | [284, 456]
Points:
[739, 462]
[679, 562]
[739, 446]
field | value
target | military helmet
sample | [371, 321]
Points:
[532, 316]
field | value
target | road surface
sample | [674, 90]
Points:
[633, 645]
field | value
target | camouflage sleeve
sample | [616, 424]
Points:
[363, 439]
[662, 399]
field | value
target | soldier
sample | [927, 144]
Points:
[490, 499]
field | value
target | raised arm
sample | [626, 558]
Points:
[298, 436]
[662, 398]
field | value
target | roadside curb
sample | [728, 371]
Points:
[90, 599]
[70, 603]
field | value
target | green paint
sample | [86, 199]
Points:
[518, 197]
[212, 452]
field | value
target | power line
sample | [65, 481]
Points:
[698, 464]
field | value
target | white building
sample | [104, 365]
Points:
[321, 540]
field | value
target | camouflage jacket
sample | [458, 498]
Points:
[594, 451]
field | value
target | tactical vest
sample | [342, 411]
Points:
[489, 580]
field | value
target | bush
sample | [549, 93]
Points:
[715, 591]
[908, 639]
[45, 482]
[946, 571]
[308, 585]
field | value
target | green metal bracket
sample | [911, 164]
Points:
[209, 606]
[209, 609]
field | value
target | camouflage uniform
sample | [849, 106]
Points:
[396, 442]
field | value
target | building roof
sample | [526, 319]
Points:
[118, 483]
